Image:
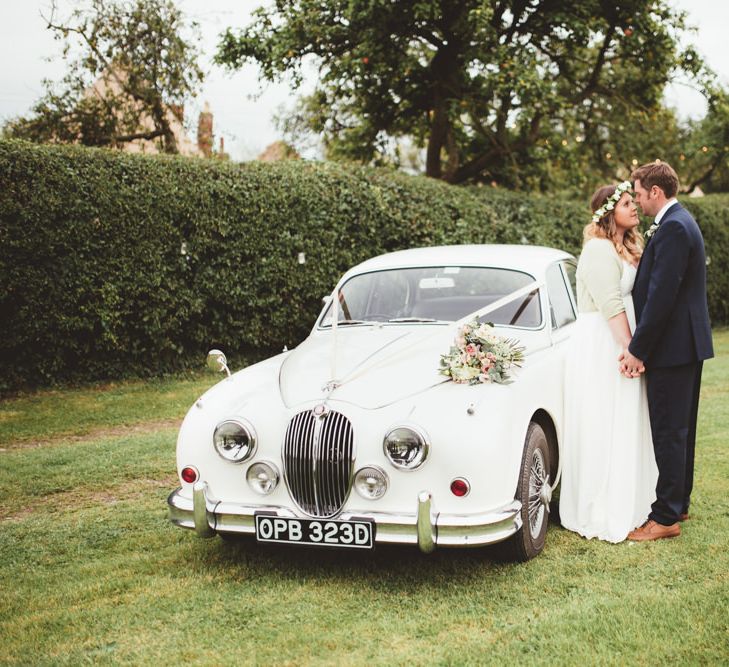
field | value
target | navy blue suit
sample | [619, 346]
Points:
[673, 338]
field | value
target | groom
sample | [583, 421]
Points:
[671, 340]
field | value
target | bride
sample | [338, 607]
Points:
[609, 470]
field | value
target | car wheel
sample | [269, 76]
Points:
[534, 492]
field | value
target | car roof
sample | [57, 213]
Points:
[527, 258]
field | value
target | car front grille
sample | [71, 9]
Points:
[318, 457]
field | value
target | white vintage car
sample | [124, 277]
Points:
[354, 437]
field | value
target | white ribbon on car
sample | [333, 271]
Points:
[335, 319]
[359, 371]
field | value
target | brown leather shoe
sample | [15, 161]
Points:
[683, 517]
[651, 530]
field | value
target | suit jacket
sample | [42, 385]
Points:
[669, 295]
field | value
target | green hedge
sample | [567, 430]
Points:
[95, 283]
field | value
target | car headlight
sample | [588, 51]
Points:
[235, 440]
[406, 447]
[262, 477]
[370, 482]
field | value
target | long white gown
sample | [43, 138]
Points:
[609, 470]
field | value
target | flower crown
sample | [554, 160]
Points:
[613, 199]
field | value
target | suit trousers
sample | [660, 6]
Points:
[673, 405]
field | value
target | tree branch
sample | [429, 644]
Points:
[475, 166]
[707, 175]
[498, 15]
[517, 11]
[429, 37]
[124, 138]
[599, 64]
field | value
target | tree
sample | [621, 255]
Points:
[130, 66]
[520, 92]
[706, 149]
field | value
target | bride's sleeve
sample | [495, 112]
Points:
[601, 272]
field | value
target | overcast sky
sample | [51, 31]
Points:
[241, 115]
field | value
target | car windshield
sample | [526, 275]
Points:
[435, 294]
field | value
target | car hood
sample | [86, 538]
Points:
[375, 366]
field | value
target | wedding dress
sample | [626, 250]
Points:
[609, 471]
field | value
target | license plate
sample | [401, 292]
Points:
[351, 534]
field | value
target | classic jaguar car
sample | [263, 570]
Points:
[354, 438]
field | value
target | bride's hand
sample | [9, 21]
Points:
[629, 365]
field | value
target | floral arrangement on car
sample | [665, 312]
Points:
[479, 355]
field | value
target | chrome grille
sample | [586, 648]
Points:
[318, 457]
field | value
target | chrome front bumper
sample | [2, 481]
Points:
[426, 527]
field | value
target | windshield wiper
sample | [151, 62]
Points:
[413, 319]
[341, 323]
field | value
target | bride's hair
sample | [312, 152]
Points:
[632, 246]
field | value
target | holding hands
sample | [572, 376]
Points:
[629, 365]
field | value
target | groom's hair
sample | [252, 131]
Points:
[657, 173]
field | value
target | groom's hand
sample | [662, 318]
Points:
[630, 366]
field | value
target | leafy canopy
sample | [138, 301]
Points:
[131, 64]
[524, 93]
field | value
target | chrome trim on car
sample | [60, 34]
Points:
[446, 530]
[464, 530]
[318, 461]
[203, 521]
[426, 523]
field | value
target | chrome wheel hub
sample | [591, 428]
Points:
[540, 494]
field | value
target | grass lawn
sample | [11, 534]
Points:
[91, 571]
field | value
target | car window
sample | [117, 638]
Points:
[440, 293]
[389, 291]
[570, 268]
[562, 311]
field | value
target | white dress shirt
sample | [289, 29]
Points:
[668, 205]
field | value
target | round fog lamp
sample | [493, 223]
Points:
[189, 474]
[262, 477]
[406, 447]
[234, 440]
[370, 482]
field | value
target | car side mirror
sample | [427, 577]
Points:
[217, 362]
